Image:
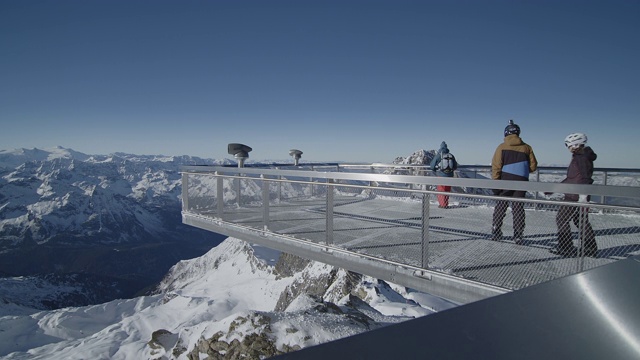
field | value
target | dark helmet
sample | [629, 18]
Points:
[511, 129]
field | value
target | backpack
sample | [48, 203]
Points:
[447, 163]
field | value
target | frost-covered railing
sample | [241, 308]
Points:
[387, 213]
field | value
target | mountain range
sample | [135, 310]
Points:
[93, 228]
[100, 226]
[96, 264]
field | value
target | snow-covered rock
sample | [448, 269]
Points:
[219, 306]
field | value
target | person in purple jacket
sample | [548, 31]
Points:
[580, 171]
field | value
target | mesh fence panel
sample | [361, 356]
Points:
[201, 194]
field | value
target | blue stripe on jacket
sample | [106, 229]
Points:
[520, 169]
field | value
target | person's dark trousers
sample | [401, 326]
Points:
[565, 215]
[517, 208]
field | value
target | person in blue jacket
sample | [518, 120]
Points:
[444, 164]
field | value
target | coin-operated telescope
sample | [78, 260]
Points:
[297, 154]
[239, 151]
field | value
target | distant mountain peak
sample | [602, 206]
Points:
[419, 157]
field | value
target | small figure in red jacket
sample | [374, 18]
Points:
[444, 164]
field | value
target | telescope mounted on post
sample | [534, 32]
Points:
[239, 151]
[297, 154]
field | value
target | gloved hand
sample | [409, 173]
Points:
[548, 193]
[582, 198]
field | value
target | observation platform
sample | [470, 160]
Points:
[397, 232]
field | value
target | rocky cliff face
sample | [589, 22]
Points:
[313, 296]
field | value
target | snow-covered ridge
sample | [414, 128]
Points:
[49, 193]
[14, 157]
[224, 299]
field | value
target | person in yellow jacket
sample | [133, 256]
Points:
[513, 160]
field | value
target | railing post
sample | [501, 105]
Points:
[603, 198]
[329, 219]
[425, 231]
[220, 194]
[279, 188]
[238, 189]
[476, 190]
[265, 202]
[185, 192]
[583, 212]
[372, 171]
[536, 205]
[416, 172]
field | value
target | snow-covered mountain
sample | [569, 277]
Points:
[77, 229]
[77, 222]
[61, 196]
[85, 229]
[236, 301]
[419, 157]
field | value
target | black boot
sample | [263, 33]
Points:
[591, 252]
[564, 251]
[565, 246]
[518, 238]
[496, 234]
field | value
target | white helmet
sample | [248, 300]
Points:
[575, 139]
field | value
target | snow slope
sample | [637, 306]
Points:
[213, 296]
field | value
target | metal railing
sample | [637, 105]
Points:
[387, 213]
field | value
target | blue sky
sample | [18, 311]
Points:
[347, 80]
